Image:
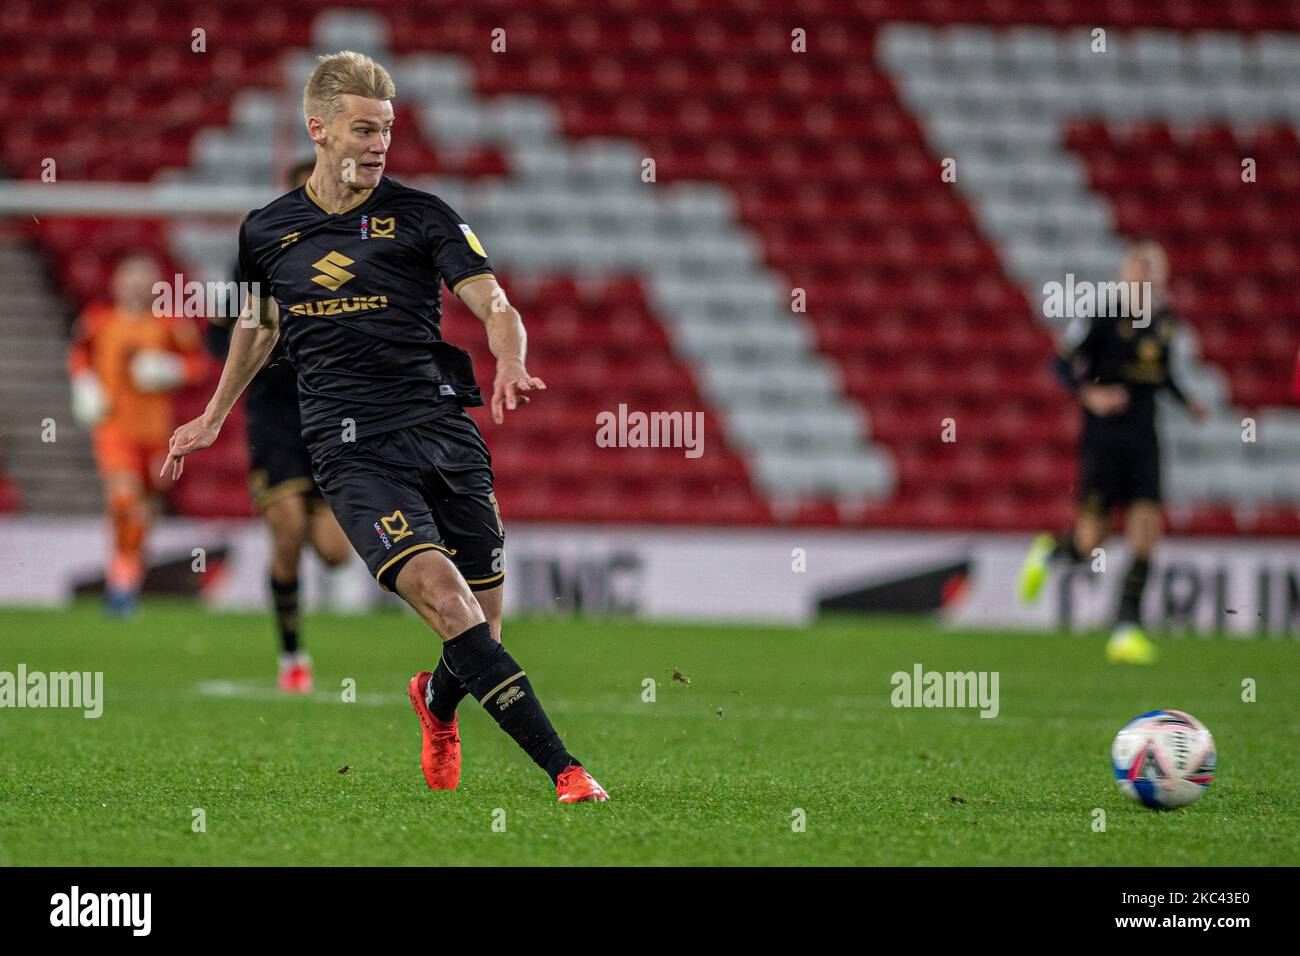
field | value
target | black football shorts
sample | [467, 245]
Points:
[1118, 466]
[420, 487]
[279, 464]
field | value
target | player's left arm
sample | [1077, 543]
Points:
[1194, 406]
[508, 341]
[90, 402]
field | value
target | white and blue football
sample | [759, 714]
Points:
[1163, 759]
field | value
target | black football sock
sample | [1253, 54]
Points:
[1130, 595]
[1065, 548]
[443, 693]
[284, 594]
[498, 683]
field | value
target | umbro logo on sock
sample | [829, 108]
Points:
[509, 696]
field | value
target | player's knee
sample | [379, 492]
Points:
[119, 503]
[1143, 531]
[331, 546]
[333, 552]
[457, 610]
[441, 596]
[334, 556]
[125, 499]
[287, 527]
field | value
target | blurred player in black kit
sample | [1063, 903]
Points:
[1116, 365]
[282, 486]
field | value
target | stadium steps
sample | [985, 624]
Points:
[55, 477]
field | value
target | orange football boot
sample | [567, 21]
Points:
[440, 752]
[575, 785]
[296, 678]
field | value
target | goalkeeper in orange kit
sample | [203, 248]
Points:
[124, 362]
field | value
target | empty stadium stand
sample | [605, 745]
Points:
[780, 177]
[45, 459]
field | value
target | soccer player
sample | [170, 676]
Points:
[349, 268]
[1116, 365]
[124, 362]
[283, 489]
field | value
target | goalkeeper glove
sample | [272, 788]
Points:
[89, 404]
[154, 370]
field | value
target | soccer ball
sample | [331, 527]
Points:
[1163, 759]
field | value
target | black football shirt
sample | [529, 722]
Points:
[1113, 351]
[360, 302]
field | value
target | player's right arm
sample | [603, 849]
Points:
[251, 342]
[89, 401]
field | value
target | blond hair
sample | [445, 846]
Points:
[338, 74]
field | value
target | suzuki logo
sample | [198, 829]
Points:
[334, 273]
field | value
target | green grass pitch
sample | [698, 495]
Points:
[773, 719]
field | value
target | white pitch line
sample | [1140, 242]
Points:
[259, 690]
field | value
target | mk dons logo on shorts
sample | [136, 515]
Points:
[508, 696]
[333, 270]
[395, 527]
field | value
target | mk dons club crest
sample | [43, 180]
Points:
[396, 526]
